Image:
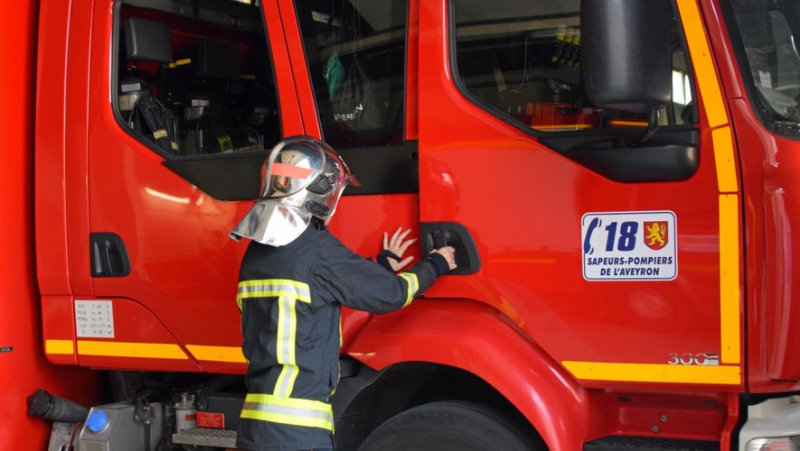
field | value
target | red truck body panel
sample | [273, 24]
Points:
[23, 366]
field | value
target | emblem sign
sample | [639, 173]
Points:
[635, 245]
[655, 234]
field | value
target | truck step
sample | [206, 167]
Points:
[220, 438]
[623, 443]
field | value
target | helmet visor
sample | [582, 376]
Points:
[293, 164]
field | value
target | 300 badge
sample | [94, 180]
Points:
[629, 245]
[687, 358]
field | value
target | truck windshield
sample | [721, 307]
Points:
[765, 33]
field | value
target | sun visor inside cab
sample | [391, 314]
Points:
[147, 40]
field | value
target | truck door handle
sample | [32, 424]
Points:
[109, 258]
[440, 234]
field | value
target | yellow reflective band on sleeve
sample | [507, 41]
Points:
[729, 278]
[291, 411]
[59, 347]
[413, 286]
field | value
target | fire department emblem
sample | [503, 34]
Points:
[655, 234]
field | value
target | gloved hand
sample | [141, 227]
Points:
[449, 253]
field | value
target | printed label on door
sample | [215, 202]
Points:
[636, 245]
[94, 319]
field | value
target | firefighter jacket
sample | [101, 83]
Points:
[290, 298]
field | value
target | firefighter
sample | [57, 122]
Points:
[294, 278]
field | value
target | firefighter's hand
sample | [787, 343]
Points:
[449, 254]
[398, 246]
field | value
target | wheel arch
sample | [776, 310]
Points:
[406, 354]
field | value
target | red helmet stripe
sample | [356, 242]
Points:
[290, 170]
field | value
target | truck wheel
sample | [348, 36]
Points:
[449, 426]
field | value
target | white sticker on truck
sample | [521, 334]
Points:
[94, 319]
[633, 245]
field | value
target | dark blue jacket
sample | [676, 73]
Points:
[291, 299]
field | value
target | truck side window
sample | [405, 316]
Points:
[765, 36]
[523, 63]
[356, 54]
[194, 79]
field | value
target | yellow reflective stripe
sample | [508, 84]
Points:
[725, 160]
[59, 347]
[643, 372]
[278, 282]
[271, 294]
[306, 404]
[285, 384]
[703, 63]
[413, 286]
[135, 350]
[284, 410]
[562, 127]
[292, 420]
[729, 278]
[727, 182]
[628, 123]
[273, 288]
[286, 344]
[217, 353]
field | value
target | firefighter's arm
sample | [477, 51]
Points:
[362, 285]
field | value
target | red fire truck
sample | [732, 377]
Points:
[616, 176]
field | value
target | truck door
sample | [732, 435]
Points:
[350, 62]
[615, 261]
[184, 100]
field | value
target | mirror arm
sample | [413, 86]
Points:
[652, 127]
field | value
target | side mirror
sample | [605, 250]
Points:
[626, 59]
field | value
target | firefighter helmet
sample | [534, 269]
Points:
[302, 179]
